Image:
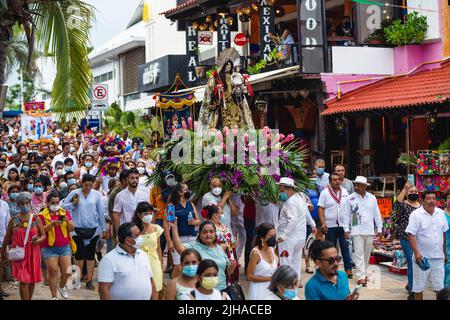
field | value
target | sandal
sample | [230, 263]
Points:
[309, 270]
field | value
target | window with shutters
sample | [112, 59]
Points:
[129, 66]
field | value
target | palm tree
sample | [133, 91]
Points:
[61, 28]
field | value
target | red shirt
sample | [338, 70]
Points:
[60, 241]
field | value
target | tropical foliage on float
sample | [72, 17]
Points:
[252, 178]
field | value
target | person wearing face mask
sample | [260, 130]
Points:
[143, 176]
[39, 196]
[205, 288]
[35, 173]
[283, 285]
[26, 271]
[57, 250]
[13, 193]
[59, 170]
[16, 164]
[224, 237]
[158, 199]
[68, 165]
[222, 199]
[13, 179]
[291, 230]
[187, 220]
[263, 262]
[150, 244]
[320, 174]
[407, 202]
[65, 154]
[88, 166]
[125, 273]
[182, 285]
[206, 245]
[69, 177]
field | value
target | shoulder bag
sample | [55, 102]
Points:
[18, 253]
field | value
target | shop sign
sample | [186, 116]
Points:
[224, 33]
[312, 31]
[240, 39]
[34, 106]
[205, 38]
[267, 23]
[151, 73]
[160, 73]
[385, 206]
[192, 56]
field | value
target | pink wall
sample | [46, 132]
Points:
[330, 81]
[407, 58]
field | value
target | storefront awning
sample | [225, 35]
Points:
[141, 104]
[409, 93]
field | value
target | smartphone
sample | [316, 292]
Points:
[170, 213]
[411, 179]
[356, 290]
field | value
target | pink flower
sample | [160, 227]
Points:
[289, 138]
[190, 122]
[196, 125]
[183, 125]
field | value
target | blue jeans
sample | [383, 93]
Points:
[408, 252]
[335, 234]
[56, 252]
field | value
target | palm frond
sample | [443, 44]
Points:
[64, 35]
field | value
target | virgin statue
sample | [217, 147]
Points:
[224, 104]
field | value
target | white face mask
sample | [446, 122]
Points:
[141, 170]
[139, 241]
[147, 218]
[54, 208]
[171, 182]
[217, 191]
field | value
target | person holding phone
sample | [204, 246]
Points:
[28, 270]
[57, 249]
[328, 283]
[187, 219]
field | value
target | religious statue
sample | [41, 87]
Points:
[225, 103]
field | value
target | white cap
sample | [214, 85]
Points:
[287, 182]
[58, 131]
[361, 180]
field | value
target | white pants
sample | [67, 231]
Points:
[184, 239]
[435, 274]
[362, 246]
[293, 248]
[239, 232]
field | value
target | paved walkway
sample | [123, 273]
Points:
[390, 287]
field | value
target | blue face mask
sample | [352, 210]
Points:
[24, 209]
[88, 164]
[25, 168]
[39, 190]
[30, 187]
[289, 294]
[320, 171]
[283, 196]
[68, 169]
[190, 271]
[13, 195]
[71, 181]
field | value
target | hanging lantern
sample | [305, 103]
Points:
[216, 23]
[431, 119]
[195, 25]
[340, 124]
[208, 19]
[279, 12]
[247, 10]
[230, 20]
[238, 11]
[211, 28]
[261, 105]
[203, 27]
[244, 17]
[255, 6]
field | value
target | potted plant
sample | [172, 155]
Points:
[413, 31]
[379, 35]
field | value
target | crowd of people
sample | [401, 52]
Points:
[69, 200]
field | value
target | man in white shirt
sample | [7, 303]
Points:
[125, 272]
[224, 201]
[426, 234]
[127, 200]
[292, 225]
[333, 205]
[320, 174]
[16, 163]
[360, 226]
[64, 155]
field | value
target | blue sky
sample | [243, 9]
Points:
[112, 18]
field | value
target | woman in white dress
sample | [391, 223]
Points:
[263, 262]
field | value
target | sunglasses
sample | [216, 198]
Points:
[332, 260]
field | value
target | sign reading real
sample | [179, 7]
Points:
[191, 53]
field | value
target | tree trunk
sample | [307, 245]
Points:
[5, 37]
